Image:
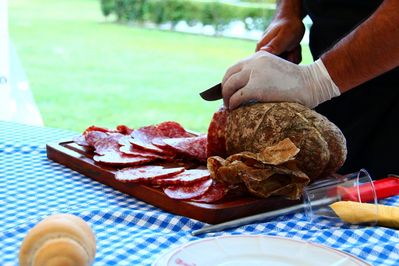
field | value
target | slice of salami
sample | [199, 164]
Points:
[107, 144]
[216, 192]
[193, 147]
[128, 148]
[80, 140]
[132, 150]
[93, 136]
[143, 139]
[119, 159]
[158, 141]
[188, 192]
[125, 130]
[124, 141]
[172, 129]
[108, 152]
[217, 134]
[89, 138]
[188, 177]
[94, 133]
[146, 174]
[143, 136]
[96, 128]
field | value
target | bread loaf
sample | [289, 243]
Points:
[59, 240]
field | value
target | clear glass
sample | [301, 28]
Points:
[358, 187]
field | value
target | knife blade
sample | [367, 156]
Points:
[212, 94]
[258, 217]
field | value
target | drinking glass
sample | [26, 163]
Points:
[358, 187]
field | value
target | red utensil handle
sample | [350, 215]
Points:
[384, 188]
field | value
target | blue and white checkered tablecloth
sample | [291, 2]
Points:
[129, 231]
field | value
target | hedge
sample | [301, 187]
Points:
[216, 13]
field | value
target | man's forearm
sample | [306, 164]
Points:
[368, 51]
[289, 8]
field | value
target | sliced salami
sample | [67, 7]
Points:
[129, 148]
[108, 152]
[96, 128]
[119, 159]
[146, 174]
[158, 141]
[80, 140]
[93, 136]
[125, 141]
[187, 177]
[143, 136]
[193, 147]
[143, 139]
[216, 192]
[189, 191]
[217, 134]
[167, 150]
[172, 129]
[125, 130]
[94, 133]
[107, 143]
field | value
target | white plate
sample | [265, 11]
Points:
[251, 250]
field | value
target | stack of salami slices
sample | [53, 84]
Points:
[163, 155]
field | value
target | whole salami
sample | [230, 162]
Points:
[253, 127]
[216, 145]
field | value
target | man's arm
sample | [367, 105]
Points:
[368, 51]
[283, 35]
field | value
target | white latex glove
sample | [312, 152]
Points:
[264, 77]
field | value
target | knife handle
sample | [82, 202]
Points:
[384, 188]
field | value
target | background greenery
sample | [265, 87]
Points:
[85, 69]
[209, 12]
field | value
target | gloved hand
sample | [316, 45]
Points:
[267, 78]
[282, 37]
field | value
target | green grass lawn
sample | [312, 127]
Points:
[85, 70]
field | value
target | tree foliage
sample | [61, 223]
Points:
[215, 13]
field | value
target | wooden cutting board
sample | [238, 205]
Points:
[79, 158]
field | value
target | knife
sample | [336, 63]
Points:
[259, 217]
[384, 188]
[212, 94]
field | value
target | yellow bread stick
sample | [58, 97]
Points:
[356, 212]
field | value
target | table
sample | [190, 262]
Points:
[129, 231]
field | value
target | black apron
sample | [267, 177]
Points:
[368, 115]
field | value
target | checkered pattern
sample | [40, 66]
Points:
[131, 232]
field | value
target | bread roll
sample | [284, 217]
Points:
[60, 239]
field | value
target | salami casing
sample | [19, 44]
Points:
[216, 145]
[253, 127]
